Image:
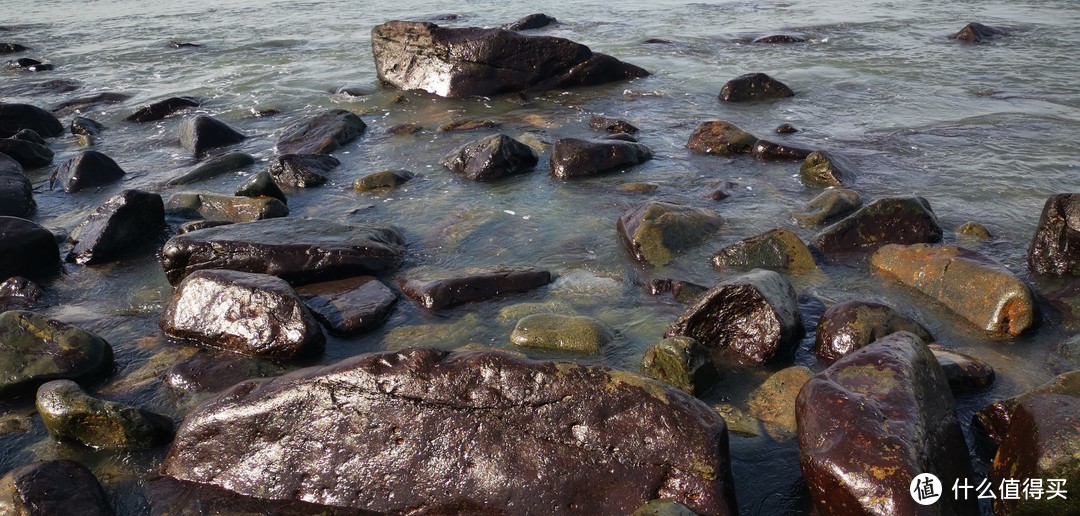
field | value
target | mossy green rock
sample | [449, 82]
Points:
[774, 401]
[35, 349]
[682, 362]
[824, 168]
[779, 249]
[227, 207]
[72, 415]
[973, 230]
[655, 231]
[663, 507]
[827, 206]
[383, 179]
[562, 332]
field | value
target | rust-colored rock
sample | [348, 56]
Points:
[825, 168]
[996, 418]
[720, 137]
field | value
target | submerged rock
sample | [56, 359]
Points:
[562, 332]
[572, 157]
[785, 129]
[852, 325]
[37, 349]
[655, 231]
[321, 134]
[28, 64]
[681, 361]
[16, 117]
[892, 220]
[773, 402]
[663, 507]
[16, 192]
[767, 150]
[531, 22]
[350, 306]
[161, 109]
[720, 137]
[612, 125]
[977, 33]
[778, 249]
[29, 135]
[973, 230]
[26, 249]
[12, 48]
[261, 184]
[448, 289]
[483, 62]
[118, 227]
[302, 170]
[88, 169]
[229, 208]
[964, 372]
[29, 154]
[214, 167]
[82, 126]
[826, 168]
[413, 415]
[72, 415]
[53, 487]
[779, 38]
[754, 86]
[491, 158]
[828, 206]
[382, 179]
[682, 291]
[201, 133]
[207, 371]
[468, 125]
[996, 418]
[1055, 248]
[168, 496]
[86, 103]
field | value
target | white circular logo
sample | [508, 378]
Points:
[925, 489]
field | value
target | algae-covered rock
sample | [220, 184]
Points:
[825, 168]
[229, 208]
[655, 231]
[72, 415]
[35, 349]
[562, 332]
[382, 179]
[778, 249]
[682, 362]
[773, 402]
[827, 207]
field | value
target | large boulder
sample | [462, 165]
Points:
[872, 422]
[996, 418]
[755, 316]
[16, 117]
[562, 332]
[852, 325]
[37, 349]
[1055, 248]
[978, 289]
[754, 86]
[302, 170]
[26, 249]
[322, 133]
[825, 168]
[573, 157]
[16, 192]
[72, 415]
[88, 169]
[230, 208]
[436, 290]
[893, 220]
[655, 231]
[53, 487]
[117, 227]
[246, 313]
[523, 434]
[201, 133]
[28, 153]
[162, 109]
[349, 306]
[720, 137]
[471, 61]
[297, 250]
[491, 158]
[778, 249]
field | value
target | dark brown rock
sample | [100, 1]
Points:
[468, 124]
[302, 170]
[321, 134]
[229, 208]
[85, 127]
[29, 154]
[86, 103]
[11, 48]
[52, 488]
[778, 249]
[720, 137]
[209, 371]
[491, 158]
[963, 372]
[571, 157]
[893, 220]
[404, 129]
[754, 86]
[201, 133]
[853, 325]
[16, 117]
[825, 168]
[350, 306]
[436, 291]
[168, 496]
[16, 192]
[771, 151]
[531, 22]
[26, 249]
[827, 207]
[88, 169]
[785, 129]
[19, 291]
[118, 227]
[996, 418]
[161, 109]
[656, 231]
[196, 225]
[977, 33]
[1055, 248]
[682, 291]
[612, 125]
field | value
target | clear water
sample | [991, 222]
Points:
[983, 132]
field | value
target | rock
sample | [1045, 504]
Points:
[72, 415]
[720, 137]
[168, 496]
[612, 125]
[892, 399]
[773, 402]
[682, 291]
[321, 134]
[562, 332]
[246, 313]
[38, 349]
[161, 109]
[201, 133]
[778, 249]
[996, 418]
[571, 157]
[963, 372]
[85, 126]
[755, 316]
[28, 64]
[779, 38]
[228, 207]
[297, 250]
[12, 48]
[977, 33]
[51, 87]
[53, 487]
[978, 289]
[261, 185]
[177, 44]
[404, 129]
[853, 325]
[207, 372]
[29, 135]
[1043, 443]
[892, 220]
[350, 306]
[16, 192]
[754, 86]
[468, 125]
[973, 230]
[26, 249]
[1055, 248]
[29, 154]
[484, 62]
[302, 170]
[785, 129]
[412, 416]
[655, 231]
[118, 226]
[88, 169]
[624, 137]
[382, 179]
[532, 21]
[1066, 358]
[770, 151]
[681, 361]
[86, 103]
[827, 207]
[196, 225]
[738, 421]
[825, 168]
[17, 293]
[16, 117]
[436, 291]
[214, 167]
[491, 158]
[642, 188]
[663, 507]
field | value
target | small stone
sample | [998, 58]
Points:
[404, 129]
[383, 179]
[562, 332]
[261, 185]
[720, 137]
[996, 418]
[72, 415]
[16, 117]
[85, 126]
[973, 230]
[612, 125]
[663, 507]
[639, 187]
[766, 150]
[752, 87]
[738, 421]
[682, 362]
[29, 135]
[1055, 248]
[977, 33]
[785, 129]
[682, 291]
[964, 372]
[27, 249]
[531, 22]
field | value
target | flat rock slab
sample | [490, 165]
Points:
[472, 61]
[53, 487]
[35, 349]
[26, 249]
[229, 208]
[299, 251]
[438, 290]
[349, 306]
[655, 232]
[16, 192]
[852, 325]
[573, 157]
[16, 117]
[892, 220]
[118, 227]
[524, 434]
[322, 133]
[1055, 248]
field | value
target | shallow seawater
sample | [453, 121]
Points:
[983, 132]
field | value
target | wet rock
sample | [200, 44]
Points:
[773, 402]
[722, 190]
[720, 137]
[571, 157]
[297, 250]
[88, 169]
[738, 421]
[468, 125]
[168, 496]
[178, 44]
[973, 230]
[642, 188]
[996, 418]
[755, 316]
[532, 21]
[853, 325]
[246, 313]
[213, 167]
[53, 487]
[438, 290]
[892, 220]
[977, 33]
[28, 64]
[302, 170]
[161, 109]
[118, 227]
[771, 151]
[624, 137]
[261, 185]
[1055, 248]
[12, 48]
[779, 38]
[612, 125]
[682, 291]
[382, 179]
[656, 231]
[321, 134]
[663, 507]
[26, 249]
[85, 126]
[1066, 358]
[893, 400]
[201, 133]
[350, 306]
[778, 249]
[754, 86]
[404, 129]
[405, 415]
[978, 289]
[1043, 443]
[827, 207]
[228, 207]
[963, 372]
[29, 135]
[196, 225]
[29, 154]
[38, 349]
[562, 332]
[681, 361]
[19, 293]
[209, 371]
[785, 129]
[484, 62]
[72, 415]
[50, 87]
[825, 168]
[88, 102]
[491, 158]
[16, 192]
